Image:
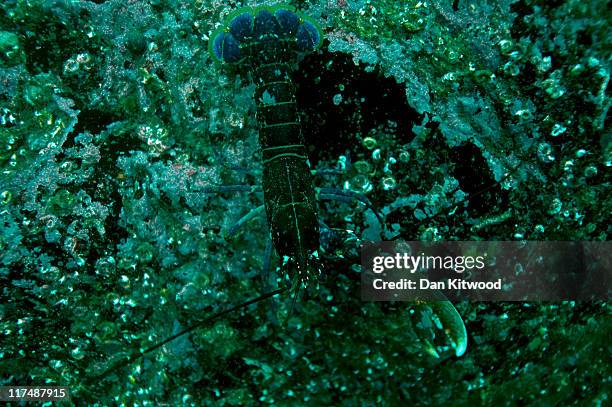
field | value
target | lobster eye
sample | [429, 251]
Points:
[288, 21]
[241, 26]
[225, 47]
[265, 24]
[308, 36]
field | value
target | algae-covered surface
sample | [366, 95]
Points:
[128, 154]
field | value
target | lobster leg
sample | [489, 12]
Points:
[344, 195]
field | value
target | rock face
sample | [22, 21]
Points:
[127, 153]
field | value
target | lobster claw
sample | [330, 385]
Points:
[440, 327]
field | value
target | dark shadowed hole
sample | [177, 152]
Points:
[368, 99]
[475, 178]
[103, 186]
[519, 27]
[92, 121]
[584, 38]
[106, 174]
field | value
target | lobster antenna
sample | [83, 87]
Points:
[137, 355]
